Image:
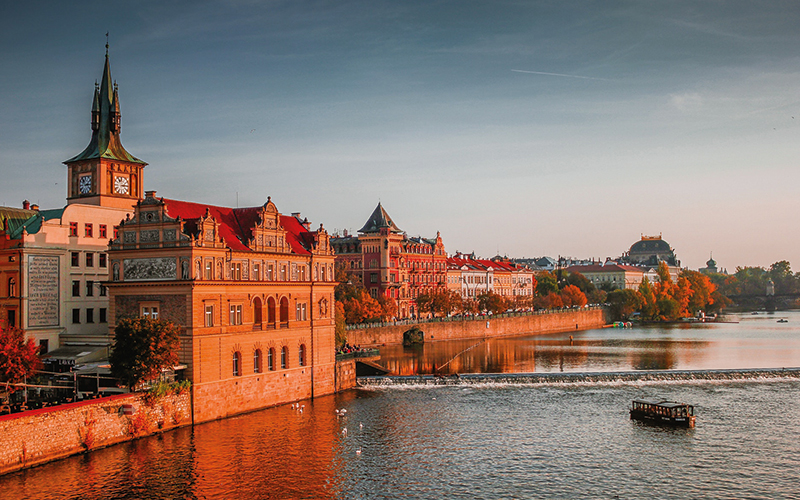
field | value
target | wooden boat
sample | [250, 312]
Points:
[662, 412]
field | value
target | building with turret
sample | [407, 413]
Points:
[251, 289]
[54, 262]
[390, 264]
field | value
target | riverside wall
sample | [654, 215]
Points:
[38, 436]
[484, 327]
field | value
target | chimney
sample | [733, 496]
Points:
[149, 194]
[26, 205]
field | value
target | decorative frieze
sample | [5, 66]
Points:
[155, 268]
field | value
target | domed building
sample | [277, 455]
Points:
[649, 251]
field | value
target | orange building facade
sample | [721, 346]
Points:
[251, 288]
[391, 264]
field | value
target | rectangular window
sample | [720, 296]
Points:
[90, 315]
[236, 271]
[76, 288]
[89, 259]
[76, 259]
[73, 229]
[150, 311]
[283, 273]
[116, 233]
[44, 346]
[270, 272]
[12, 318]
[209, 315]
[300, 312]
[102, 231]
[301, 271]
[373, 277]
[87, 228]
[76, 316]
[235, 315]
[103, 291]
[103, 318]
[89, 288]
[209, 270]
[102, 260]
[256, 272]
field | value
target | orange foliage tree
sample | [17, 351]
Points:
[571, 295]
[19, 357]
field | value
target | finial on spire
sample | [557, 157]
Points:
[106, 43]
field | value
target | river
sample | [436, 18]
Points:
[493, 440]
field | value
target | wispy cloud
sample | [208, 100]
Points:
[559, 74]
[686, 102]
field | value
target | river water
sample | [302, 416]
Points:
[492, 440]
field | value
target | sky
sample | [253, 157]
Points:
[519, 128]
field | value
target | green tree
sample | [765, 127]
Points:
[143, 347]
[546, 283]
[623, 303]
[582, 282]
[18, 357]
[649, 309]
[340, 324]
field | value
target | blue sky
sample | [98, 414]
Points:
[521, 127]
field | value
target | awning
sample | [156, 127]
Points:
[76, 354]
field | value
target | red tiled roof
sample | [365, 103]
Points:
[608, 268]
[236, 224]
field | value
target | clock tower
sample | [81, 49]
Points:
[104, 173]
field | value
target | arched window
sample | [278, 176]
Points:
[302, 355]
[12, 287]
[237, 364]
[271, 312]
[284, 312]
[257, 361]
[257, 311]
[284, 357]
[271, 359]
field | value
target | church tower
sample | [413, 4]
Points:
[104, 173]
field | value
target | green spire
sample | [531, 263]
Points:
[105, 142]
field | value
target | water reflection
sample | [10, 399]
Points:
[281, 453]
[747, 341]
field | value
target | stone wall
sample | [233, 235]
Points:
[345, 374]
[39, 436]
[562, 321]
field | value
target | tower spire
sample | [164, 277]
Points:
[105, 142]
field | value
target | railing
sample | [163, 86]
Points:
[469, 317]
[363, 353]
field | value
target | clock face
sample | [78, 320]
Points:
[85, 184]
[121, 185]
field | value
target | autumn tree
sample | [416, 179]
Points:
[18, 357]
[143, 347]
[492, 302]
[438, 301]
[361, 307]
[703, 291]
[571, 295]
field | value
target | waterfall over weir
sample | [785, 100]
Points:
[582, 377]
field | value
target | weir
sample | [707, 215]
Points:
[582, 377]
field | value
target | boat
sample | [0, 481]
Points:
[663, 412]
[782, 320]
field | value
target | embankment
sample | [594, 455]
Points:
[484, 327]
[584, 378]
[38, 436]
